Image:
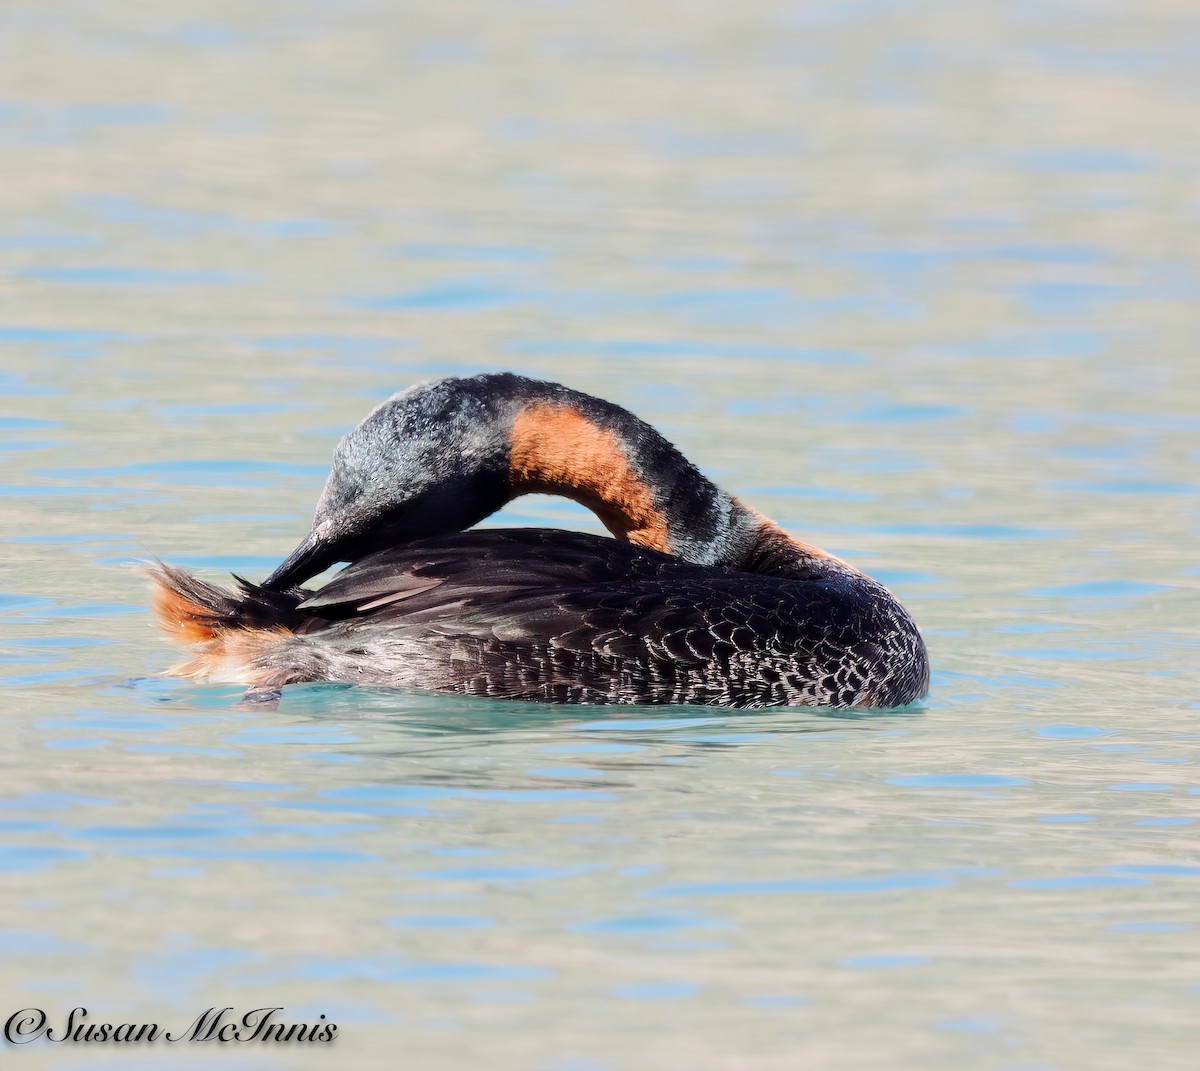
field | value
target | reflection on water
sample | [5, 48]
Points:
[917, 282]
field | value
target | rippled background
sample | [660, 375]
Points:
[918, 280]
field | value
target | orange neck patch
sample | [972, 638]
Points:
[774, 551]
[769, 531]
[557, 450]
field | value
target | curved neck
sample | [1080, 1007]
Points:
[641, 487]
[442, 456]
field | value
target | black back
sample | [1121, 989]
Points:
[547, 614]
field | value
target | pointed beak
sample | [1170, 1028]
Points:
[316, 552]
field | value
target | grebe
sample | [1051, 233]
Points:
[698, 599]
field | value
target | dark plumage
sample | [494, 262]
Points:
[557, 616]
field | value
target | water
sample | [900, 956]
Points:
[918, 281]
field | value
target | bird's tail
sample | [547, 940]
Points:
[232, 633]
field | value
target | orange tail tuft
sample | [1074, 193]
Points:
[232, 635]
[179, 616]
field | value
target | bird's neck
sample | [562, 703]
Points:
[643, 489]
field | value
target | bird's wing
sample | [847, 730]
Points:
[571, 592]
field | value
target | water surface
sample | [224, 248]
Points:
[919, 282]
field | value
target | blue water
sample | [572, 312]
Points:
[914, 281]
